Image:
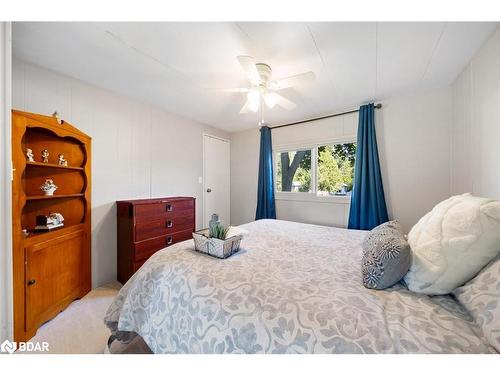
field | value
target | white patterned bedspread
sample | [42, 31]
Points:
[292, 288]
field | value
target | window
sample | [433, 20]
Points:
[324, 170]
[336, 169]
[293, 171]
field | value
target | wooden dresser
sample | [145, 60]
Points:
[145, 226]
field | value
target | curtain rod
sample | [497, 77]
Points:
[377, 106]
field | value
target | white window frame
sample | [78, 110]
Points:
[313, 195]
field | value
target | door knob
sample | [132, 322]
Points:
[31, 282]
[209, 190]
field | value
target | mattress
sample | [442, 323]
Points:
[292, 288]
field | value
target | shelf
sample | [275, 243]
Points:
[55, 196]
[50, 165]
[61, 251]
[35, 237]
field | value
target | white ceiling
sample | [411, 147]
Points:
[174, 65]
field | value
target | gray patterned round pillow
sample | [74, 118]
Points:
[386, 256]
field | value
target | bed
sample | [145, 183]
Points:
[292, 288]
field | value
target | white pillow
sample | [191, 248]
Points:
[452, 243]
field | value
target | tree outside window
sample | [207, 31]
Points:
[336, 168]
[294, 171]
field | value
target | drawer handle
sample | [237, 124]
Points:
[31, 282]
[169, 208]
[170, 224]
[170, 239]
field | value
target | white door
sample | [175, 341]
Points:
[216, 179]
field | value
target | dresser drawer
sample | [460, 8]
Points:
[150, 229]
[173, 222]
[148, 212]
[145, 249]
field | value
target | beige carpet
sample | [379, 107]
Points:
[80, 328]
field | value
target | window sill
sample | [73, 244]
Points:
[310, 197]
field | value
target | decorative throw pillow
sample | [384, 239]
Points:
[481, 297]
[452, 243]
[375, 235]
[386, 256]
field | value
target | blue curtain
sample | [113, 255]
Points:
[265, 190]
[368, 208]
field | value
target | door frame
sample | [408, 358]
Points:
[6, 281]
[204, 219]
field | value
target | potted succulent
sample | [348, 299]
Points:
[214, 241]
[218, 231]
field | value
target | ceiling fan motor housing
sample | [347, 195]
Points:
[265, 72]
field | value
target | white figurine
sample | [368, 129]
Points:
[62, 160]
[29, 155]
[45, 156]
[48, 187]
[56, 116]
[56, 218]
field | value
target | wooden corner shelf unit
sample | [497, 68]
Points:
[50, 269]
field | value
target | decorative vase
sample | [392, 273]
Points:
[48, 187]
[213, 222]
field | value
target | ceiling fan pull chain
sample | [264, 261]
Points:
[261, 110]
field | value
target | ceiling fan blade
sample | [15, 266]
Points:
[236, 89]
[245, 108]
[297, 80]
[283, 102]
[248, 65]
[270, 99]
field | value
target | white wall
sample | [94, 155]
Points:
[245, 147]
[5, 184]
[476, 124]
[413, 134]
[138, 150]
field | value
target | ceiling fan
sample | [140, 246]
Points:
[263, 88]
